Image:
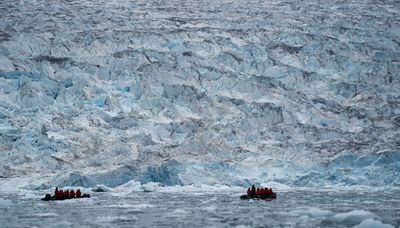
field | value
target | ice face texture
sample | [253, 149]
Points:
[181, 92]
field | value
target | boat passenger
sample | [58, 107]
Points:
[248, 192]
[253, 190]
[78, 193]
[60, 194]
[55, 192]
[72, 194]
[262, 191]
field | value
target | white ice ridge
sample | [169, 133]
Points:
[295, 93]
[355, 218]
[372, 223]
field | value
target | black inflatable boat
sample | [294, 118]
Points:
[48, 197]
[264, 197]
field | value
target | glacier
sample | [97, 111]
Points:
[301, 93]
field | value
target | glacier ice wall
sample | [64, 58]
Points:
[301, 92]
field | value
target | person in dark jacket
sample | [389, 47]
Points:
[253, 190]
[78, 193]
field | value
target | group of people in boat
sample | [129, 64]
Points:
[253, 191]
[67, 194]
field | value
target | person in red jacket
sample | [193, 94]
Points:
[60, 194]
[72, 194]
[57, 193]
[263, 191]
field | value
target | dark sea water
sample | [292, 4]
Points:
[203, 209]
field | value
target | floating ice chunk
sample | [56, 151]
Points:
[351, 218]
[47, 215]
[210, 208]
[135, 206]
[178, 213]
[372, 223]
[150, 187]
[143, 206]
[311, 212]
[5, 203]
[101, 188]
[133, 184]
[132, 208]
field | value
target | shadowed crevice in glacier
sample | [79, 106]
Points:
[166, 174]
[370, 170]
